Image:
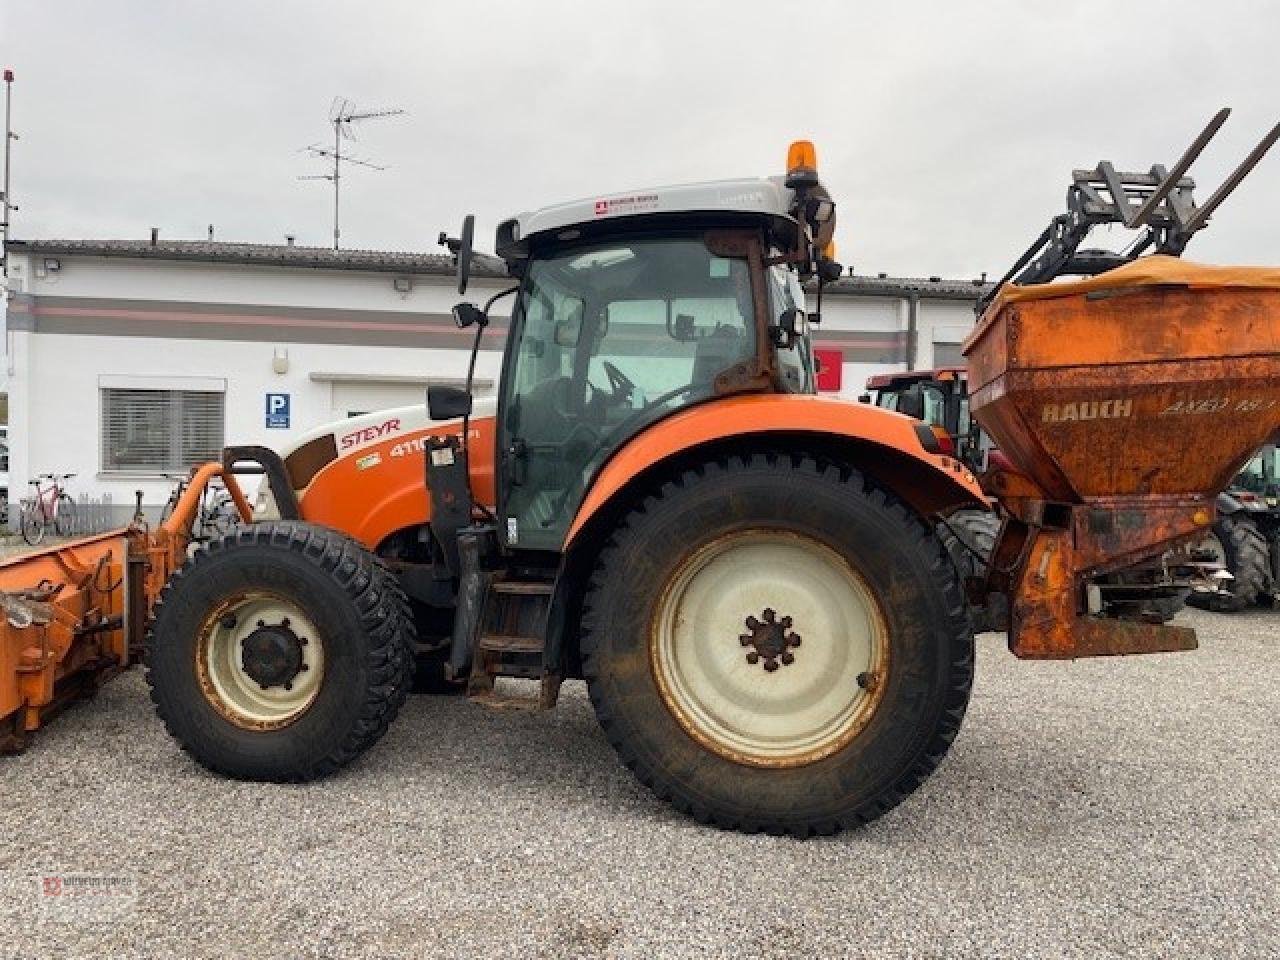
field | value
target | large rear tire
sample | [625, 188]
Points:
[280, 652]
[1237, 542]
[773, 644]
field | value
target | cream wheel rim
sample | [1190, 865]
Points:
[769, 648]
[260, 661]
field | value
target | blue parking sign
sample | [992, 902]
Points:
[278, 410]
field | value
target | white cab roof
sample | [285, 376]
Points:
[767, 196]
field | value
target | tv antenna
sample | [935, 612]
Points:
[344, 116]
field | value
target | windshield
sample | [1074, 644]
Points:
[1262, 474]
[610, 337]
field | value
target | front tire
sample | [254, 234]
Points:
[31, 523]
[1237, 543]
[64, 520]
[773, 644]
[279, 653]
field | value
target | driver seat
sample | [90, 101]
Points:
[717, 351]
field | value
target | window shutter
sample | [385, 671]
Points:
[160, 430]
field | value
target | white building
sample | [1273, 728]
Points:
[128, 361]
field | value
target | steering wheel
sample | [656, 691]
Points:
[620, 385]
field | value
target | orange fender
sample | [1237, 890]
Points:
[882, 444]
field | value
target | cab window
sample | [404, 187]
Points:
[610, 337]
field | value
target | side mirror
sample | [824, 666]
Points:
[447, 403]
[793, 324]
[828, 270]
[461, 250]
[464, 251]
[467, 314]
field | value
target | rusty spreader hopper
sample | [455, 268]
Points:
[1126, 401]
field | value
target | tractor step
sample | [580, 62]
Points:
[511, 643]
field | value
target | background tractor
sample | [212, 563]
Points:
[748, 576]
[940, 398]
[1246, 536]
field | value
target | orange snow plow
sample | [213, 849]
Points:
[74, 615]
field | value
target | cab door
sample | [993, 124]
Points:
[606, 339]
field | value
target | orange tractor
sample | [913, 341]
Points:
[747, 575]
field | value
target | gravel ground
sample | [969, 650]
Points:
[1089, 809]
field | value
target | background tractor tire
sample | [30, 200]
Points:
[1245, 551]
[969, 537]
[315, 596]
[702, 571]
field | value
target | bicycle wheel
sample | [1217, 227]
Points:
[222, 518]
[64, 517]
[32, 523]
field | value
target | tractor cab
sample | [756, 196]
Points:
[632, 307]
[941, 399]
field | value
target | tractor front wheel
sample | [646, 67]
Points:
[773, 644]
[279, 652]
[1238, 544]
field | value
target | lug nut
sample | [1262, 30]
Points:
[284, 622]
[302, 641]
[228, 622]
[262, 623]
[303, 666]
[288, 685]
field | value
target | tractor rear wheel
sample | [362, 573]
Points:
[1239, 545]
[773, 644]
[279, 652]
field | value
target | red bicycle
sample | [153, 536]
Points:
[50, 507]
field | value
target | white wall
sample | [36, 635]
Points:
[54, 386]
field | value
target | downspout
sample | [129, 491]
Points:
[909, 349]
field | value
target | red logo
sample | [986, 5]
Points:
[830, 369]
[368, 434]
[52, 886]
[602, 207]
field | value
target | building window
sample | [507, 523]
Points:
[948, 355]
[151, 431]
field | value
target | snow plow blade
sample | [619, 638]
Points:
[74, 615]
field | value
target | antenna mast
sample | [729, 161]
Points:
[8, 206]
[343, 115]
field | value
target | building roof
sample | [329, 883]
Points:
[931, 287]
[262, 254]
[439, 264]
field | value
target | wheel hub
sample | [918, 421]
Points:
[771, 639]
[260, 660]
[755, 712]
[272, 655]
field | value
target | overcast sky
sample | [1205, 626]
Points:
[946, 131]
